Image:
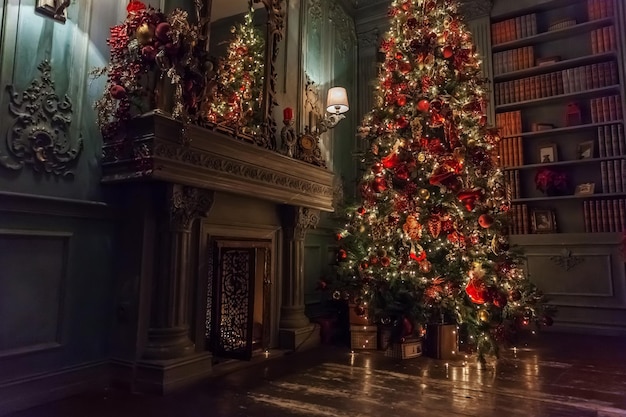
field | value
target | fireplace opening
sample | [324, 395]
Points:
[238, 297]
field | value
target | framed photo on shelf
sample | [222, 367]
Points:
[543, 221]
[585, 189]
[585, 150]
[547, 153]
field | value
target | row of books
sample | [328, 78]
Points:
[611, 141]
[598, 9]
[511, 179]
[567, 81]
[509, 123]
[605, 109]
[613, 176]
[519, 219]
[513, 60]
[603, 40]
[512, 29]
[511, 152]
[604, 215]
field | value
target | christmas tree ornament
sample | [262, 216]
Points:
[447, 52]
[434, 226]
[485, 221]
[144, 34]
[425, 266]
[483, 315]
[423, 193]
[423, 105]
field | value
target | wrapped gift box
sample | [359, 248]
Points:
[441, 341]
[364, 337]
[410, 348]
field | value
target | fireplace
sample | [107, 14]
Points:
[211, 261]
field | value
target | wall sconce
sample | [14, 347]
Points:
[336, 105]
[54, 9]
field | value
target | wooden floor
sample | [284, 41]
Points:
[551, 375]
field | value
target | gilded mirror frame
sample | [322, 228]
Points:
[274, 34]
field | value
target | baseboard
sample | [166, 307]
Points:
[38, 389]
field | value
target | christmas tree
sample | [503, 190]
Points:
[428, 241]
[239, 85]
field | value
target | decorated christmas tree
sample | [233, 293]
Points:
[236, 96]
[428, 240]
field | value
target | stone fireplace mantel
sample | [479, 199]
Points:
[163, 149]
[168, 175]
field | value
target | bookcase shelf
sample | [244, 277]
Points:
[565, 163]
[563, 130]
[568, 197]
[554, 34]
[558, 94]
[579, 95]
[556, 66]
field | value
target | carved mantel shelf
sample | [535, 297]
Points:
[160, 148]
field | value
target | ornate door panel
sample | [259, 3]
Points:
[239, 298]
[235, 302]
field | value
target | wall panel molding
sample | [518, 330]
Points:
[54, 206]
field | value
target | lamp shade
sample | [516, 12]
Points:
[337, 100]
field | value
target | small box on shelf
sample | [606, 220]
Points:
[364, 337]
[410, 348]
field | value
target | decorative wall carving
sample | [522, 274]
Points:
[275, 26]
[472, 9]
[297, 220]
[369, 39]
[315, 15]
[40, 134]
[344, 26]
[566, 260]
[188, 204]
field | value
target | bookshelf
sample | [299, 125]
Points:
[558, 95]
[558, 102]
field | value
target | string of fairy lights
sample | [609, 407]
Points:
[428, 237]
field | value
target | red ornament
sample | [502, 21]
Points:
[447, 52]
[374, 260]
[361, 210]
[135, 6]
[391, 160]
[117, 92]
[423, 105]
[405, 67]
[469, 198]
[402, 122]
[149, 53]
[162, 32]
[364, 265]
[379, 185]
[385, 261]
[377, 168]
[342, 254]
[401, 100]
[485, 221]
[476, 291]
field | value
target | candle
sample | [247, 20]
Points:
[288, 113]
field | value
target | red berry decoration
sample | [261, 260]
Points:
[423, 105]
[485, 221]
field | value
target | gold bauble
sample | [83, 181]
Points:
[421, 157]
[483, 315]
[144, 34]
[423, 193]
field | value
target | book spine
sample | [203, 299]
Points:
[592, 217]
[604, 176]
[605, 216]
[586, 216]
[600, 139]
[524, 219]
[610, 216]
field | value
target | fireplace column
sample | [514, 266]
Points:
[296, 331]
[168, 335]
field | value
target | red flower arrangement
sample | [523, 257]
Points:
[150, 48]
[550, 182]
